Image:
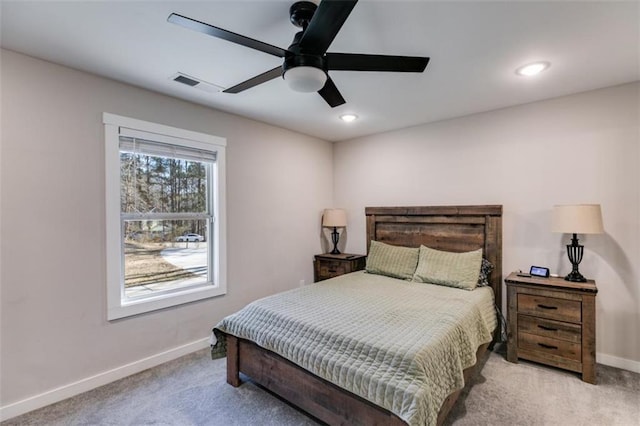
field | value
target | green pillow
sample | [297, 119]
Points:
[460, 270]
[392, 261]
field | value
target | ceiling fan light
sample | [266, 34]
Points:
[305, 79]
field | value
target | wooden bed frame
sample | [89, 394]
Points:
[451, 228]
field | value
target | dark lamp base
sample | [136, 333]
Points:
[575, 277]
[575, 252]
[335, 237]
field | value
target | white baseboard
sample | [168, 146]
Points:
[614, 361]
[84, 385]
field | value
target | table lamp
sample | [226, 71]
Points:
[334, 218]
[577, 219]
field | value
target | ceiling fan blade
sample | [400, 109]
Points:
[202, 27]
[252, 82]
[360, 62]
[331, 94]
[325, 24]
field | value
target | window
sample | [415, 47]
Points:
[165, 201]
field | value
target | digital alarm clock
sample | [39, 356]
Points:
[539, 271]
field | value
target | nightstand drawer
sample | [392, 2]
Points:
[329, 265]
[550, 328]
[549, 346]
[550, 307]
[333, 269]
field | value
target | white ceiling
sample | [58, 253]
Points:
[474, 49]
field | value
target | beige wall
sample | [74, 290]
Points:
[575, 149]
[53, 309]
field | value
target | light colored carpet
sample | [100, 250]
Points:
[192, 391]
[527, 393]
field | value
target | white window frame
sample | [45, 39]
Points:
[118, 306]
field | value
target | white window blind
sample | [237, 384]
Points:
[141, 146]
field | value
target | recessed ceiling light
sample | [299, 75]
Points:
[348, 118]
[532, 69]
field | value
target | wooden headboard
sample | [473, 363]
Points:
[450, 228]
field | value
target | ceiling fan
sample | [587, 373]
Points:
[307, 62]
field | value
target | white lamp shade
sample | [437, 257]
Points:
[334, 218]
[305, 79]
[577, 219]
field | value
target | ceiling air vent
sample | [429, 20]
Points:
[186, 80]
[195, 82]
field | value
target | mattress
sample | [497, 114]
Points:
[399, 344]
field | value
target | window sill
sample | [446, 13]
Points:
[148, 304]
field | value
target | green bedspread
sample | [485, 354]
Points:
[398, 344]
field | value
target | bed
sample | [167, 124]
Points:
[383, 398]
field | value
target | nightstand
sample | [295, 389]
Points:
[552, 321]
[327, 266]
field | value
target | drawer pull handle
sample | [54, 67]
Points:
[548, 346]
[547, 307]
[333, 270]
[547, 328]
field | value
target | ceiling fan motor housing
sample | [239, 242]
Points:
[303, 60]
